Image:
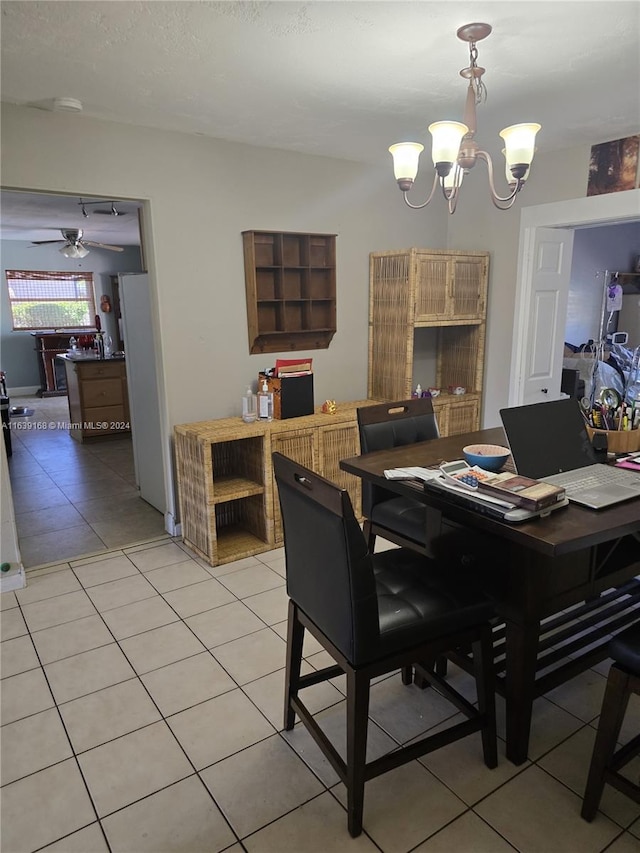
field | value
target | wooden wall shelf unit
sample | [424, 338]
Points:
[228, 497]
[290, 280]
[446, 292]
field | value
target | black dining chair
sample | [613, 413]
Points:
[374, 614]
[607, 760]
[401, 520]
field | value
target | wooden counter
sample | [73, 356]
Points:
[98, 397]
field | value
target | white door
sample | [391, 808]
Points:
[144, 403]
[546, 271]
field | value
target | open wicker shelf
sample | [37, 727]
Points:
[229, 488]
[235, 540]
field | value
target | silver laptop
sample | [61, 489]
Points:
[549, 442]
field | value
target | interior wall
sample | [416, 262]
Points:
[202, 193]
[17, 357]
[611, 247]
[199, 194]
[477, 224]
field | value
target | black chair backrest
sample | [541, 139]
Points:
[329, 572]
[390, 425]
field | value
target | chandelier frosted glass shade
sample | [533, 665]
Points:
[405, 161]
[519, 144]
[447, 136]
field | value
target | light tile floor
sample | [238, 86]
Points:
[142, 697]
[72, 499]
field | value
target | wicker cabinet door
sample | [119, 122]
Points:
[336, 442]
[468, 288]
[390, 326]
[433, 276]
[464, 416]
[441, 409]
[299, 445]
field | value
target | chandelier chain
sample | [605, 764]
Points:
[476, 79]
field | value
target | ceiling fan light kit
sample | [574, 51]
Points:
[74, 251]
[454, 149]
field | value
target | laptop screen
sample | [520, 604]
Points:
[547, 438]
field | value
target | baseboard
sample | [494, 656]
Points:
[173, 527]
[13, 579]
[23, 391]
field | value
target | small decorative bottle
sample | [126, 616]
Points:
[418, 391]
[249, 406]
[265, 403]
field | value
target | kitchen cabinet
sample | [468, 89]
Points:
[98, 397]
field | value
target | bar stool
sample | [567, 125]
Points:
[606, 761]
[373, 614]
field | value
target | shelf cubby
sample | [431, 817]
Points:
[267, 283]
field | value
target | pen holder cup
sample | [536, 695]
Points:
[619, 441]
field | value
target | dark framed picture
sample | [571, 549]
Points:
[613, 166]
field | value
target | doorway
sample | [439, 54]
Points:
[592, 210]
[89, 457]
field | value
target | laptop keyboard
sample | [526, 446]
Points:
[576, 483]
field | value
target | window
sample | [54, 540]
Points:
[51, 300]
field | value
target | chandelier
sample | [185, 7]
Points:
[455, 151]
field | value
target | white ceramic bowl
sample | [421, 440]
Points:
[491, 457]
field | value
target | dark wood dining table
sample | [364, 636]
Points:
[562, 585]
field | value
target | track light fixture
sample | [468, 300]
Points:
[113, 211]
[454, 149]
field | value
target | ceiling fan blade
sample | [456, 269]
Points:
[44, 242]
[102, 246]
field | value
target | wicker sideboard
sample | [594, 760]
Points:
[228, 500]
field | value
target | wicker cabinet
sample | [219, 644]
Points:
[290, 281]
[228, 498]
[427, 319]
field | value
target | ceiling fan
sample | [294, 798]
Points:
[74, 245]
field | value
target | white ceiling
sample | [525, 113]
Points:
[340, 78]
[39, 216]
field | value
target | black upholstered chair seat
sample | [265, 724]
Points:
[419, 599]
[607, 758]
[624, 648]
[405, 516]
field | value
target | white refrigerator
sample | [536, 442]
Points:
[142, 381]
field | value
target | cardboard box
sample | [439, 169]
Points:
[292, 395]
